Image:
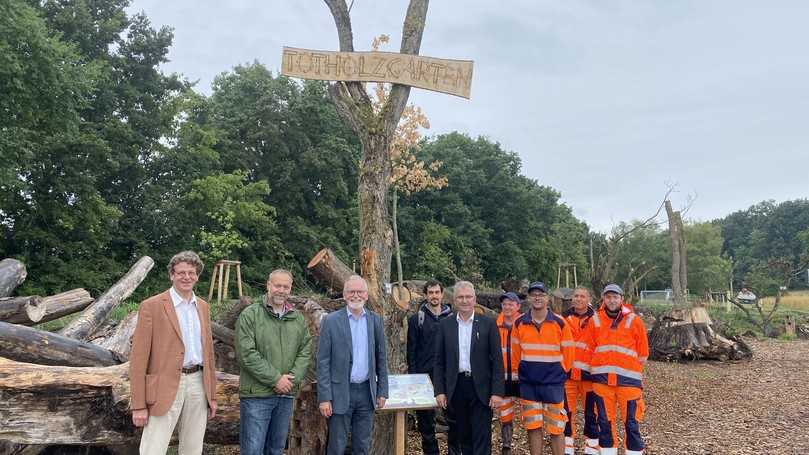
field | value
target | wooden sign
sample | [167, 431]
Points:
[437, 74]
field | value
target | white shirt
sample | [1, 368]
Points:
[464, 343]
[188, 317]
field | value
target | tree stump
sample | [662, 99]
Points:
[687, 334]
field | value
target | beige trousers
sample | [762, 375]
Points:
[190, 410]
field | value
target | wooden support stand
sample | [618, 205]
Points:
[221, 270]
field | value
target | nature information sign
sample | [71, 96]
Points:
[410, 391]
[437, 74]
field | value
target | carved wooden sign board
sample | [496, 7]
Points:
[441, 75]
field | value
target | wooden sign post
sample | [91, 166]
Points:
[407, 392]
[440, 75]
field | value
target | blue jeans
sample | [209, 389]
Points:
[264, 424]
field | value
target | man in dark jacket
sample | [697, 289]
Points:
[421, 330]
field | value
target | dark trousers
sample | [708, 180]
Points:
[470, 421]
[358, 420]
[426, 424]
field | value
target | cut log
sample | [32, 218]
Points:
[17, 310]
[329, 270]
[89, 406]
[26, 344]
[118, 338]
[92, 317]
[12, 274]
[687, 334]
[228, 318]
[223, 334]
[63, 304]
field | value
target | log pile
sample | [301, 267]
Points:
[76, 380]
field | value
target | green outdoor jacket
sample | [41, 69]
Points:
[268, 346]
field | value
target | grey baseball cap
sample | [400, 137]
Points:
[612, 287]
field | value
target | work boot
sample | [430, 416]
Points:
[506, 432]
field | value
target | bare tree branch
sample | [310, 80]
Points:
[412, 32]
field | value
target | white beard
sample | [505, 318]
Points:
[356, 305]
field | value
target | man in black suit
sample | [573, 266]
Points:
[468, 374]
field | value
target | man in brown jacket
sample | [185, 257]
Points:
[171, 366]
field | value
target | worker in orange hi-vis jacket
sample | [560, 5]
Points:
[579, 387]
[617, 338]
[510, 311]
[546, 349]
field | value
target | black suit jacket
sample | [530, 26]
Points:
[485, 356]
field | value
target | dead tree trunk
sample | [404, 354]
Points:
[26, 344]
[60, 305]
[12, 274]
[16, 310]
[89, 406]
[229, 317]
[119, 337]
[679, 269]
[329, 270]
[94, 315]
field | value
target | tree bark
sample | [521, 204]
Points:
[678, 266]
[228, 318]
[63, 304]
[223, 334]
[26, 344]
[94, 315]
[12, 274]
[119, 337]
[89, 406]
[16, 310]
[329, 270]
[375, 131]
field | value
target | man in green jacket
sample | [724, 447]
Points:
[273, 347]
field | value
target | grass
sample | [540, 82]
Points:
[794, 300]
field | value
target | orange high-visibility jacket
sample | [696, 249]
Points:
[510, 360]
[578, 327]
[619, 347]
[546, 350]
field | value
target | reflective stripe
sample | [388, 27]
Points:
[643, 359]
[617, 370]
[542, 358]
[629, 320]
[581, 345]
[609, 451]
[581, 365]
[616, 348]
[531, 406]
[568, 441]
[543, 347]
[567, 344]
[596, 320]
[591, 451]
[555, 422]
[506, 412]
[505, 350]
[530, 419]
[633, 452]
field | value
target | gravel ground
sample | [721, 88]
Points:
[759, 406]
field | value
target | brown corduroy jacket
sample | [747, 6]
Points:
[156, 360]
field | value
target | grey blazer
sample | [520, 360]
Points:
[334, 359]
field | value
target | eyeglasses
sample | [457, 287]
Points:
[191, 274]
[356, 292]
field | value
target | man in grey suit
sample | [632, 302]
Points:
[352, 370]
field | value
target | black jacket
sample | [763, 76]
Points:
[485, 356]
[421, 339]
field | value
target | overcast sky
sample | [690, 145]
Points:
[605, 101]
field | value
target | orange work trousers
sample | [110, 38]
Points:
[576, 391]
[630, 400]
